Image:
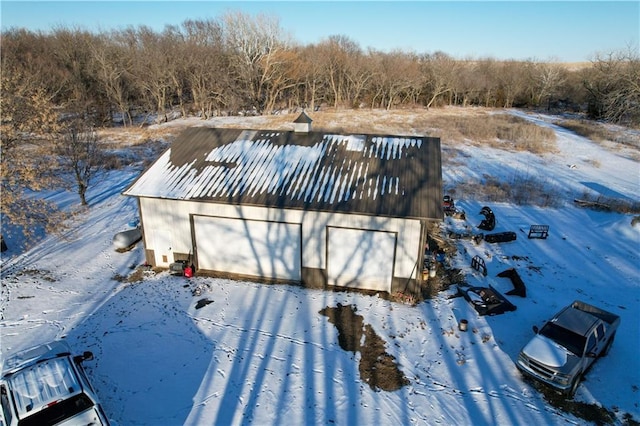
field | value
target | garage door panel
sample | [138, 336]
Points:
[264, 249]
[361, 259]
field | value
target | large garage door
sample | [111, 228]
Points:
[360, 258]
[248, 247]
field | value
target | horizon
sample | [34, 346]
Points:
[566, 32]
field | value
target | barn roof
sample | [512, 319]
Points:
[382, 175]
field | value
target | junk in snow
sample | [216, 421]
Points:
[489, 221]
[539, 231]
[519, 288]
[478, 264]
[450, 209]
[500, 237]
[485, 300]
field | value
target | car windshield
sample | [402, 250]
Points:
[571, 341]
[58, 412]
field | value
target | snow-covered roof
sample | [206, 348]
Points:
[396, 176]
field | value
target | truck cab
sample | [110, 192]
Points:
[45, 385]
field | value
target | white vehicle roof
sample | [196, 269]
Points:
[41, 376]
[39, 385]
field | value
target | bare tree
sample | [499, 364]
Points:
[466, 88]
[27, 117]
[206, 66]
[487, 81]
[613, 84]
[280, 74]
[72, 57]
[312, 84]
[81, 155]
[113, 67]
[544, 82]
[337, 54]
[512, 80]
[153, 63]
[396, 78]
[439, 70]
[257, 46]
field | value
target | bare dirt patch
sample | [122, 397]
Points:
[377, 368]
[590, 412]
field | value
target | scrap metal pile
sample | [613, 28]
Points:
[486, 300]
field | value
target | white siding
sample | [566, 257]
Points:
[175, 217]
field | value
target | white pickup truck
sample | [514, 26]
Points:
[567, 345]
[45, 385]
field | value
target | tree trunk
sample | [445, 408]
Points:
[82, 191]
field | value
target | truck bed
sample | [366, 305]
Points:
[608, 317]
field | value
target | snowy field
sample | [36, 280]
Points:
[263, 354]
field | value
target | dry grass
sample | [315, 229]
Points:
[499, 131]
[600, 202]
[479, 126]
[521, 190]
[599, 132]
[476, 125]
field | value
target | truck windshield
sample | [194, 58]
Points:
[571, 341]
[58, 412]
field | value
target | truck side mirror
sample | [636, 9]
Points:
[535, 329]
[86, 356]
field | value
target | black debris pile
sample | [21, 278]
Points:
[202, 303]
[519, 288]
[489, 221]
[485, 300]
[500, 237]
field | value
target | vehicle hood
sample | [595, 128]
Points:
[546, 351]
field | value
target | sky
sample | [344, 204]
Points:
[570, 31]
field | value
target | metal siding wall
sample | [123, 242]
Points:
[314, 237]
[175, 216]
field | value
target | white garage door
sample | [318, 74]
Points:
[361, 259]
[248, 247]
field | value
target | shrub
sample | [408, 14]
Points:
[521, 189]
[600, 202]
[599, 132]
[501, 131]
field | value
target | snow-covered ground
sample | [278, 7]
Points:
[263, 354]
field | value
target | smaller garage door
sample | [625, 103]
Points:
[249, 247]
[360, 259]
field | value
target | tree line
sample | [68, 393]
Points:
[239, 63]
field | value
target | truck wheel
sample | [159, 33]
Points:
[574, 386]
[607, 348]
